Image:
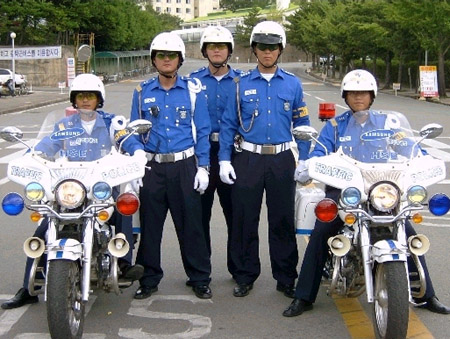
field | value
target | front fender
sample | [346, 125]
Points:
[388, 250]
[66, 249]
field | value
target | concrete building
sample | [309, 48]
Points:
[184, 9]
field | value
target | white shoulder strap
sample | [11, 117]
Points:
[195, 86]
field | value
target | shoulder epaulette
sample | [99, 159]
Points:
[284, 71]
[198, 70]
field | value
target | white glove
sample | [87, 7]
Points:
[201, 180]
[226, 172]
[301, 172]
[136, 185]
[118, 122]
[141, 157]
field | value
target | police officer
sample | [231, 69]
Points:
[178, 152]
[359, 90]
[268, 102]
[87, 95]
[216, 44]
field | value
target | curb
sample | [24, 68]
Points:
[413, 96]
[32, 105]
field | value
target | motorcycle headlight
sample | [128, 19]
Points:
[416, 194]
[34, 191]
[101, 190]
[351, 196]
[384, 197]
[70, 194]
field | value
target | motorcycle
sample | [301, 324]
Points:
[6, 89]
[383, 177]
[76, 198]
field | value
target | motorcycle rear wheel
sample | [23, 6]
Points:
[391, 305]
[65, 309]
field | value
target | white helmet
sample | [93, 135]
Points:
[359, 80]
[87, 83]
[216, 34]
[168, 41]
[268, 32]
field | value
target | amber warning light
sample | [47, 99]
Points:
[327, 110]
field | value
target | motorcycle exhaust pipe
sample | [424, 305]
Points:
[118, 246]
[339, 245]
[418, 244]
[34, 247]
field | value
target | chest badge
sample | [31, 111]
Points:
[183, 113]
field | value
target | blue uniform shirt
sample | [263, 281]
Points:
[218, 93]
[269, 110]
[170, 113]
[346, 132]
[81, 146]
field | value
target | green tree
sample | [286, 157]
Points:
[430, 24]
[244, 31]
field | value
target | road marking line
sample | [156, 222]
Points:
[359, 325]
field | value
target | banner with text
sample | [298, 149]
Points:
[22, 53]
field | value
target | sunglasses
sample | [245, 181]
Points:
[170, 55]
[263, 47]
[220, 47]
[86, 95]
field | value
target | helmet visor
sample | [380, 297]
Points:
[269, 39]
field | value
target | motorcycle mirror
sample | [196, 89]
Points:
[140, 126]
[11, 134]
[431, 131]
[305, 133]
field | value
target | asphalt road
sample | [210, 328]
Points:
[174, 312]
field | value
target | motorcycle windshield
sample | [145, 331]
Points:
[379, 137]
[81, 136]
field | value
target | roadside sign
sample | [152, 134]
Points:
[428, 81]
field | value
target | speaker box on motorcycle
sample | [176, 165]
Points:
[306, 199]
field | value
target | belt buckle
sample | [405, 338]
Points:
[268, 149]
[168, 157]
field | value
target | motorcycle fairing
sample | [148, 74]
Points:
[388, 250]
[65, 249]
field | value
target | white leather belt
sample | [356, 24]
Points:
[171, 157]
[214, 137]
[265, 149]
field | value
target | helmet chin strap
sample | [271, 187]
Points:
[167, 75]
[219, 65]
[87, 113]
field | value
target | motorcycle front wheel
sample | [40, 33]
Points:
[65, 308]
[391, 305]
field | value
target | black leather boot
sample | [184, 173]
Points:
[21, 298]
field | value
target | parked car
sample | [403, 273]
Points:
[6, 74]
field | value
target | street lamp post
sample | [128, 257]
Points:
[13, 36]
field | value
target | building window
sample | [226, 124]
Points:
[178, 1]
[188, 10]
[168, 1]
[168, 10]
[188, 1]
[158, 0]
[178, 10]
[158, 9]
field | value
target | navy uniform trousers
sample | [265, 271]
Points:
[317, 251]
[224, 193]
[170, 186]
[274, 174]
